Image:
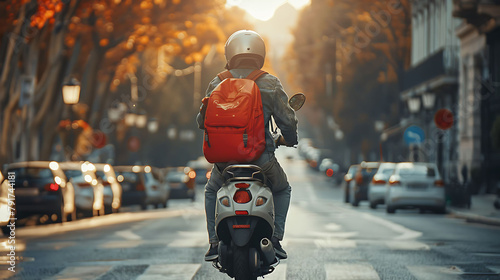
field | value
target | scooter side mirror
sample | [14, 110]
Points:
[297, 101]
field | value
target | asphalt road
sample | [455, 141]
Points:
[325, 239]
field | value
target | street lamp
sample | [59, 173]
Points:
[429, 99]
[141, 120]
[153, 125]
[414, 104]
[130, 119]
[71, 91]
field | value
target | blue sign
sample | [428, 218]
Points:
[414, 135]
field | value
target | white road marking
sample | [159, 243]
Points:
[333, 227]
[170, 272]
[128, 235]
[435, 272]
[406, 233]
[80, 273]
[343, 271]
[189, 243]
[408, 245]
[121, 244]
[341, 235]
[335, 243]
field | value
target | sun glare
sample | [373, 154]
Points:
[264, 9]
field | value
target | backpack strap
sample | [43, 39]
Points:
[224, 75]
[255, 74]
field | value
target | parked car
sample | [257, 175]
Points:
[141, 186]
[89, 190]
[6, 208]
[376, 188]
[416, 185]
[181, 181]
[202, 168]
[112, 188]
[41, 188]
[348, 180]
[359, 190]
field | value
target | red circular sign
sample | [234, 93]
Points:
[99, 139]
[443, 119]
[133, 144]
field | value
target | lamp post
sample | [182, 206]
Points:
[71, 91]
[71, 96]
[414, 104]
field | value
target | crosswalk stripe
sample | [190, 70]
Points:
[343, 271]
[121, 244]
[170, 272]
[435, 272]
[407, 245]
[335, 243]
[189, 243]
[80, 273]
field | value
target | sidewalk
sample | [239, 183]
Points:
[482, 210]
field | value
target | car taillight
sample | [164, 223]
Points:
[394, 183]
[242, 196]
[439, 183]
[378, 181]
[359, 179]
[83, 185]
[192, 174]
[242, 185]
[140, 187]
[52, 187]
[329, 172]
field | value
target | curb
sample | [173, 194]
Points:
[474, 218]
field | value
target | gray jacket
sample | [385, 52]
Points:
[274, 102]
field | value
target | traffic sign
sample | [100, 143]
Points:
[443, 119]
[414, 135]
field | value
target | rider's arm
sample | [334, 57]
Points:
[200, 118]
[284, 115]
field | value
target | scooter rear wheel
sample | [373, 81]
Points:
[241, 264]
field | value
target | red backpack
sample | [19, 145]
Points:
[234, 120]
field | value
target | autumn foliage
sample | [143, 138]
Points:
[107, 45]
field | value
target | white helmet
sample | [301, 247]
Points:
[245, 45]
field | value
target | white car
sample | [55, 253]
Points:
[377, 187]
[112, 188]
[89, 191]
[415, 185]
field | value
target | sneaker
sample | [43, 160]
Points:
[280, 253]
[213, 252]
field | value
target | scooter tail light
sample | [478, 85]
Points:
[242, 196]
[242, 185]
[241, 212]
[241, 226]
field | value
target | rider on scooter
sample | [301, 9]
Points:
[245, 52]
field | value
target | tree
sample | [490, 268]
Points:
[349, 57]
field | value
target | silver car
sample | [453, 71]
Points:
[415, 185]
[376, 188]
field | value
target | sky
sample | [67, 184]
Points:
[264, 9]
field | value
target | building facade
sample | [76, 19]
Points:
[431, 83]
[479, 95]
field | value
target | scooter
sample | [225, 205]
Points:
[244, 219]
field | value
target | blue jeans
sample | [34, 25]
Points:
[276, 180]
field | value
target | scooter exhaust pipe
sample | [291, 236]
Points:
[267, 251]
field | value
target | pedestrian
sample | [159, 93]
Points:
[245, 52]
